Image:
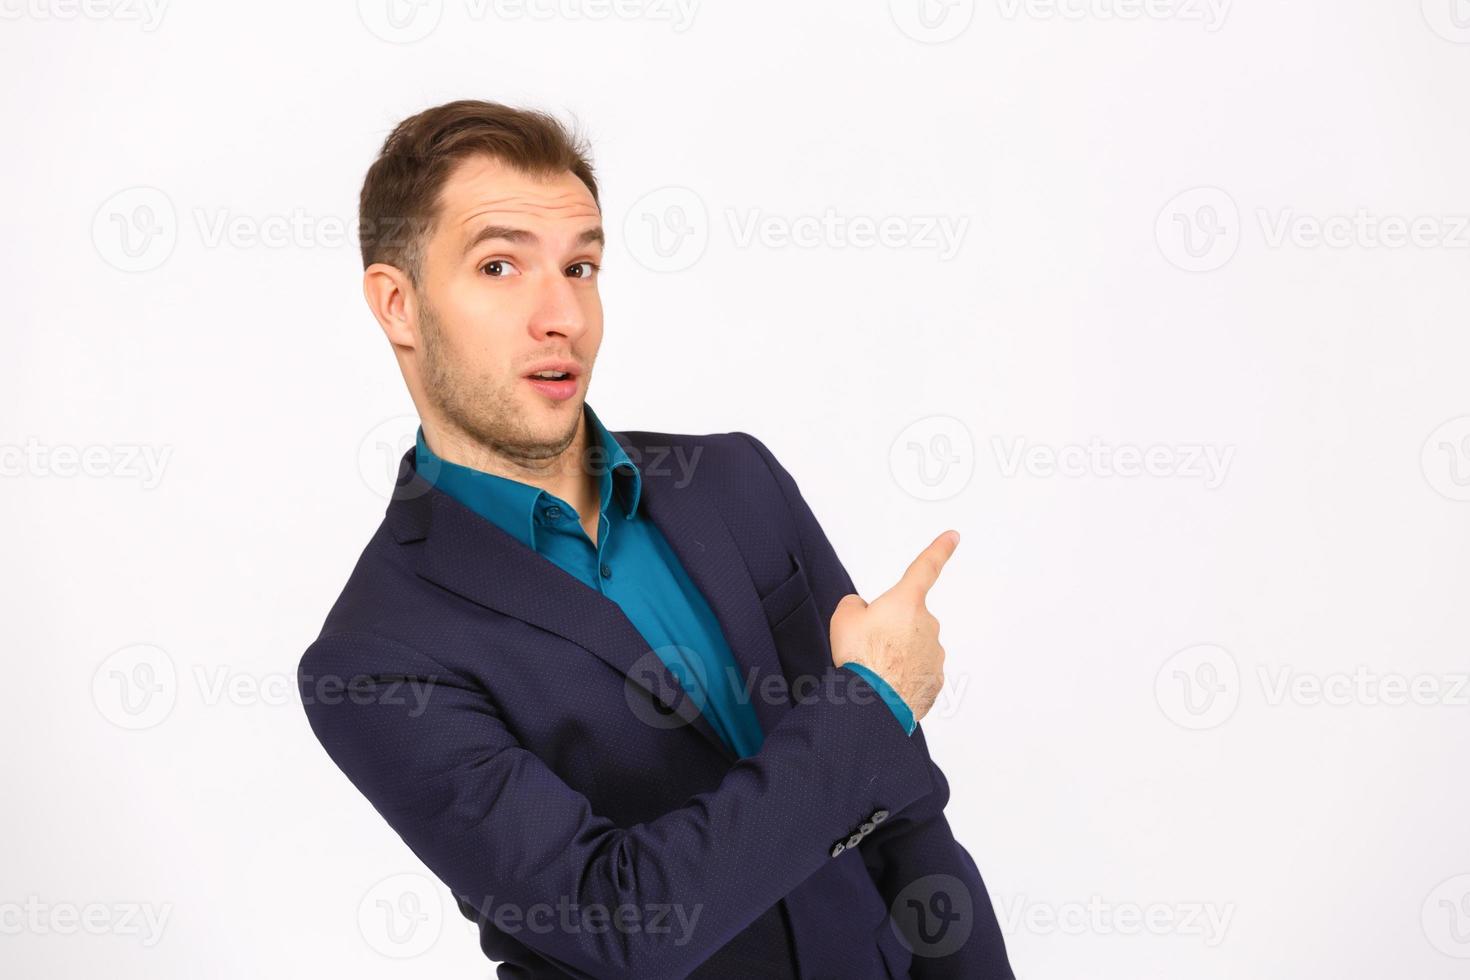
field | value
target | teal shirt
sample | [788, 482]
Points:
[632, 564]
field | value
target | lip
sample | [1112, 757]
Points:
[561, 390]
[572, 369]
[557, 391]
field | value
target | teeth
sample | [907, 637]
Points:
[550, 375]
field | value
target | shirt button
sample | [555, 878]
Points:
[552, 513]
[606, 571]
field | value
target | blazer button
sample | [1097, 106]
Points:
[867, 827]
[853, 840]
[838, 848]
[879, 816]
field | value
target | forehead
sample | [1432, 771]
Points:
[481, 190]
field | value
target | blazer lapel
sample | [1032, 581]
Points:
[699, 536]
[473, 558]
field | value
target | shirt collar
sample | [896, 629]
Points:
[512, 505]
[618, 471]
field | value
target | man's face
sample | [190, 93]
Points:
[509, 284]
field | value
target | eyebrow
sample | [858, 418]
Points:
[520, 236]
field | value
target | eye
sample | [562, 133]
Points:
[588, 270]
[498, 269]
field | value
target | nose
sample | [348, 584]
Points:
[558, 310]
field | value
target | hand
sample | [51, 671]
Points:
[895, 635]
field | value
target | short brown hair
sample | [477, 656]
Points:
[399, 202]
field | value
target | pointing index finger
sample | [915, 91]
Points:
[924, 570]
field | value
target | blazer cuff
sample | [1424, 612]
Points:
[890, 697]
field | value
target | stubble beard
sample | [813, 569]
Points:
[483, 410]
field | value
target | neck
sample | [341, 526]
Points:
[564, 475]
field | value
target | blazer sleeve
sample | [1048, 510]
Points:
[499, 828]
[917, 847]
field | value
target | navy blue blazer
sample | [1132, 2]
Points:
[513, 728]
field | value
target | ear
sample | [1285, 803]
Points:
[392, 299]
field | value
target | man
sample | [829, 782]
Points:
[589, 677]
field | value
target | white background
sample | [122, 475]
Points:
[1173, 695]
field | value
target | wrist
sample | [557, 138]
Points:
[896, 704]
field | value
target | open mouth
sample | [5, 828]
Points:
[554, 384]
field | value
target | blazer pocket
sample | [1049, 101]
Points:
[788, 596]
